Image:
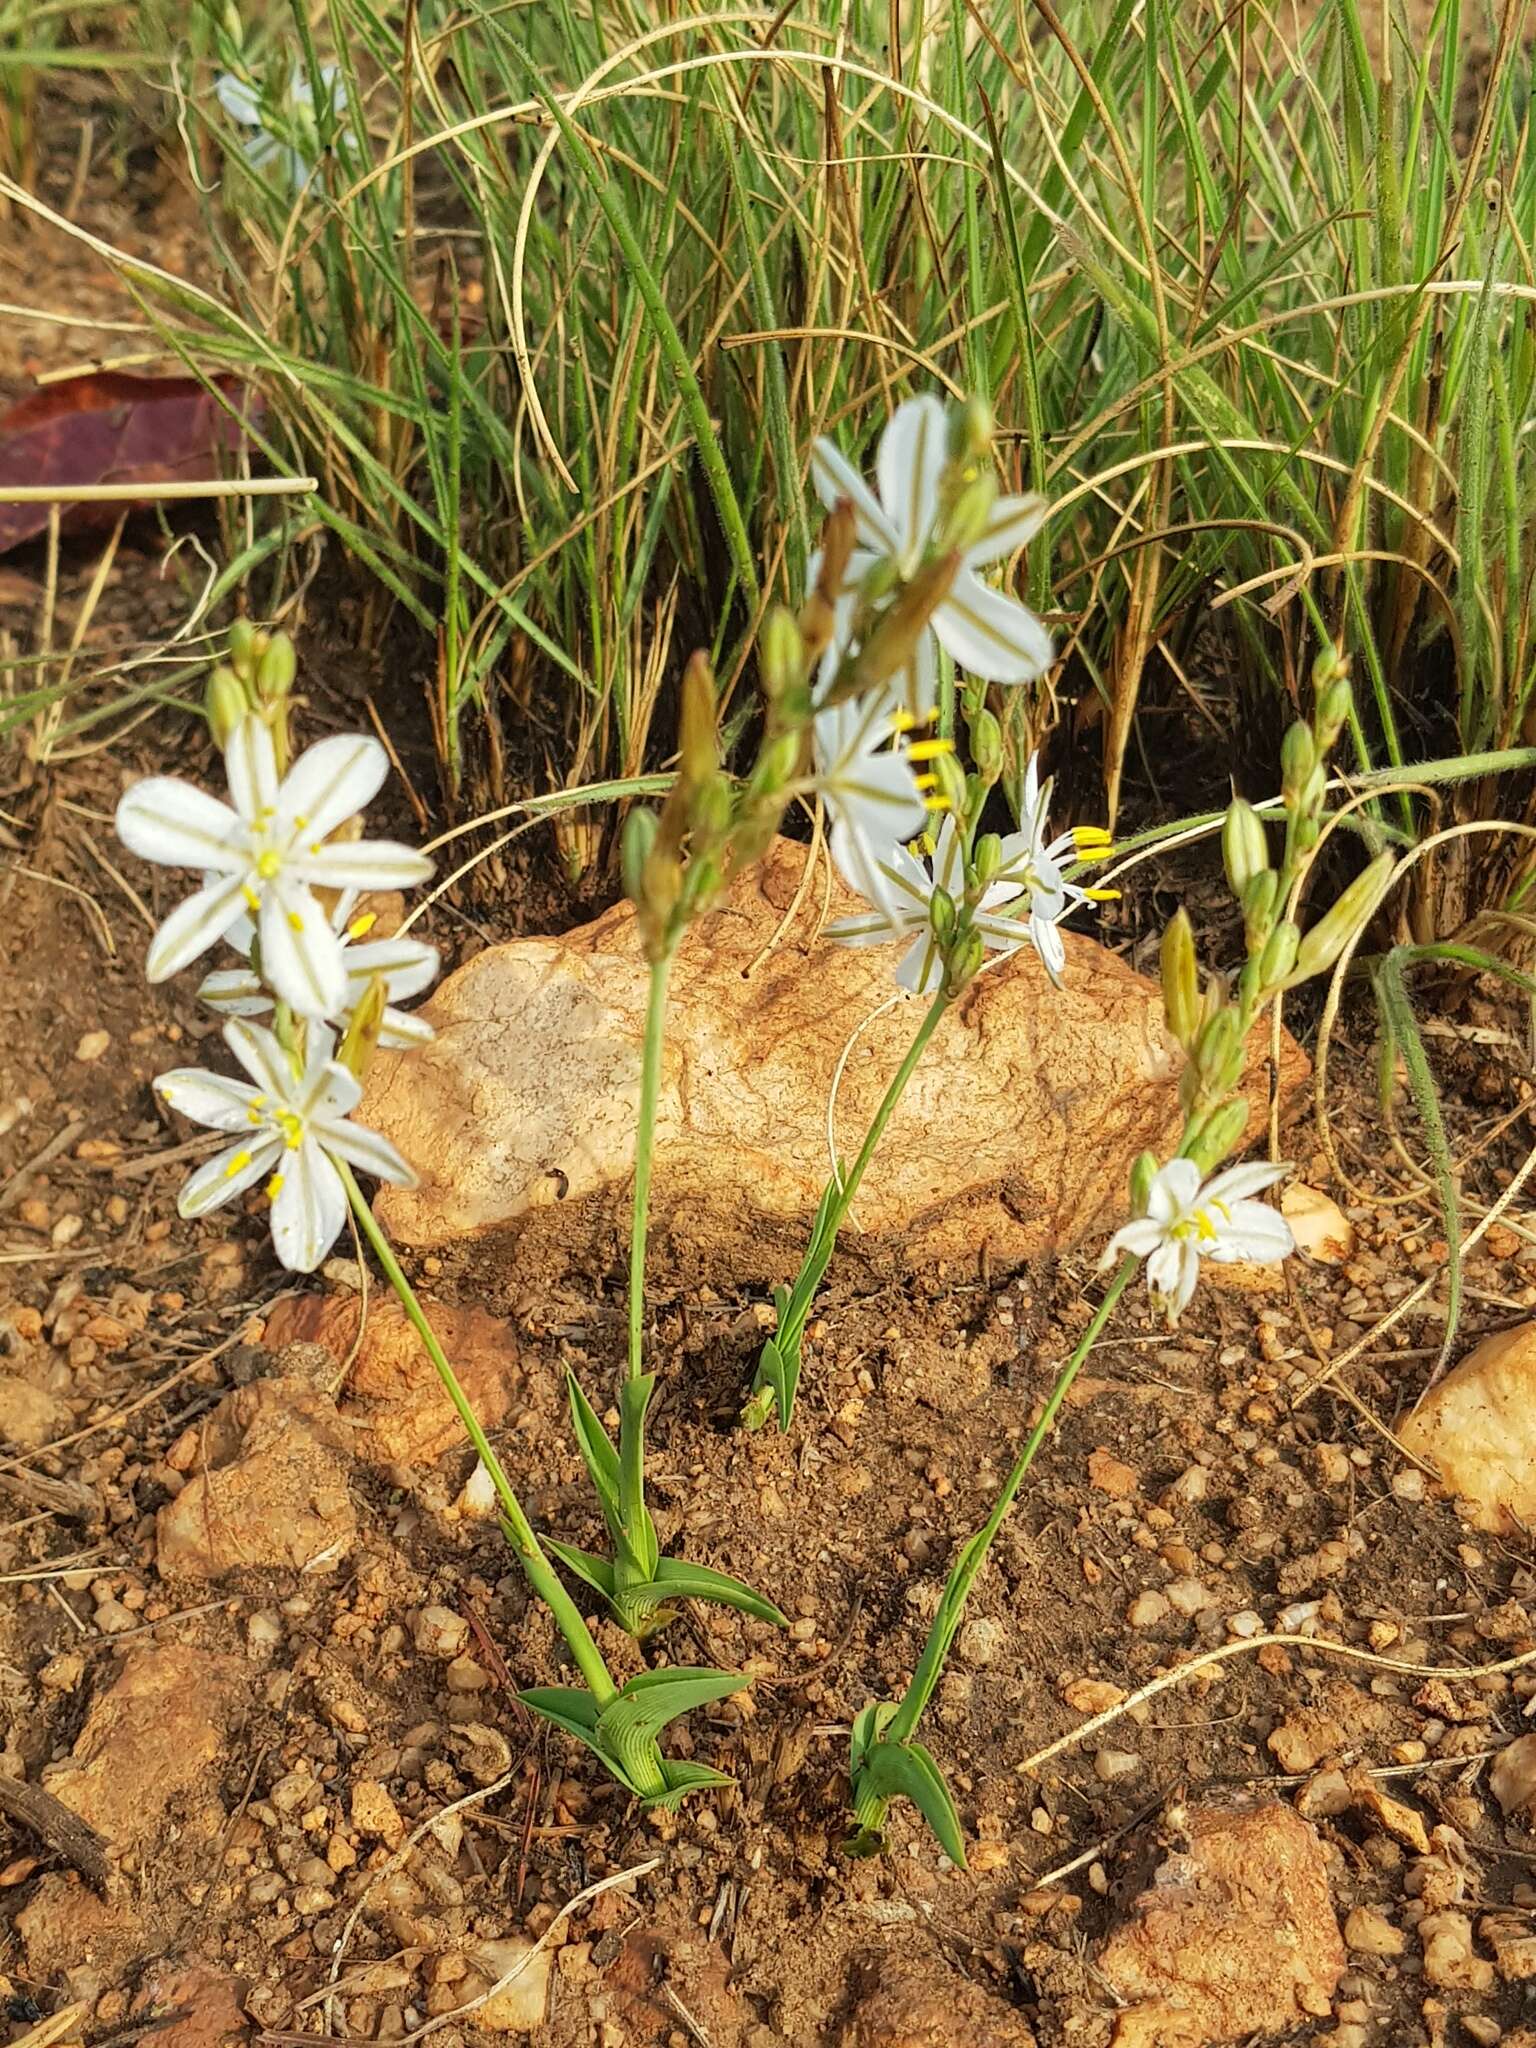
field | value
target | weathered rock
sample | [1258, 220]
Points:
[1236, 1934]
[268, 1486]
[1304, 1738]
[65, 1928]
[902, 2004]
[395, 1404]
[213, 2004]
[1318, 1224]
[148, 1741]
[28, 1416]
[1477, 1428]
[519, 2009]
[1513, 1777]
[1015, 1135]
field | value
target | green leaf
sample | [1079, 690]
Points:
[683, 1778]
[636, 1534]
[573, 1710]
[596, 1572]
[907, 1770]
[597, 1453]
[628, 1727]
[677, 1579]
[869, 1724]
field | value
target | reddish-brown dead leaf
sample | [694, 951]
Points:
[109, 428]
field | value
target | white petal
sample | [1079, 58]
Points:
[1254, 1232]
[948, 866]
[1013, 524]
[301, 957]
[251, 767]
[330, 781]
[400, 1030]
[835, 478]
[337, 1093]
[1189, 1273]
[913, 454]
[1239, 1181]
[920, 969]
[1164, 1267]
[1048, 943]
[883, 873]
[227, 1174]
[992, 636]
[914, 689]
[193, 927]
[359, 864]
[234, 992]
[1141, 1236]
[261, 1054]
[366, 1150]
[211, 1099]
[1174, 1188]
[1002, 934]
[239, 99]
[406, 965]
[181, 826]
[309, 1209]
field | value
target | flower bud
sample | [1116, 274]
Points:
[969, 514]
[1298, 757]
[964, 963]
[225, 703]
[276, 669]
[971, 427]
[950, 777]
[712, 808]
[1333, 704]
[988, 858]
[1244, 846]
[246, 647]
[896, 634]
[987, 746]
[780, 654]
[881, 577]
[1219, 1052]
[1144, 1171]
[1321, 946]
[1181, 989]
[1215, 1136]
[635, 842]
[698, 752]
[941, 915]
[1258, 901]
[1279, 955]
[777, 764]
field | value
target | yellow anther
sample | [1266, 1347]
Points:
[295, 922]
[254, 1115]
[252, 900]
[269, 866]
[925, 781]
[300, 821]
[361, 926]
[292, 1128]
[936, 803]
[1102, 895]
[902, 721]
[315, 848]
[236, 1165]
[929, 750]
[274, 1187]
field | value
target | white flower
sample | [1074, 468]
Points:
[870, 789]
[293, 1127]
[266, 852]
[992, 636]
[910, 886]
[406, 967]
[1031, 870]
[283, 122]
[1187, 1222]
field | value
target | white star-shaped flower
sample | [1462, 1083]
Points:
[292, 1128]
[1031, 870]
[287, 137]
[988, 634]
[909, 884]
[1187, 1222]
[871, 789]
[266, 852]
[406, 967]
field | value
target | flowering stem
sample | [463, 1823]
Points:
[836, 1201]
[947, 1620]
[536, 1566]
[645, 1145]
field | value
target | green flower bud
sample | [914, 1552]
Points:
[1306, 830]
[987, 746]
[1180, 975]
[777, 764]
[780, 654]
[1298, 758]
[1321, 946]
[635, 842]
[712, 808]
[225, 703]
[1244, 846]
[1218, 1052]
[698, 748]
[1143, 1173]
[941, 915]
[246, 646]
[971, 426]
[896, 633]
[1211, 1141]
[1332, 712]
[1279, 955]
[987, 859]
[880, 579]
[969, 514]
[950, 777]
[1258, 901]
[276, 668]
[964, 963]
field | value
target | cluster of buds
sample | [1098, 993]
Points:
[256, 679]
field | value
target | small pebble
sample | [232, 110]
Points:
[92, 1045]
[1147, 1609]
[1110, 1764]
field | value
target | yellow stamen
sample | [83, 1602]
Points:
[361, 926]
[269, 865]
[902, 721]
[926, 781]
[292, 1128]
[929, 750]
[936, 803]
[1102, 895]
[252, 900]
[236, 1165]
[274, 1187]
[295, 922]
[300, 821]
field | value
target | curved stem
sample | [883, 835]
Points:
[903, 1723]
[539, 1572]
[645, 1146]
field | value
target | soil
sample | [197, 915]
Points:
[1198, 1465]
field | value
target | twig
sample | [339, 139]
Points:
[160, 493]
[695, 2027]
[54, 1824]
[11, 1193]
[55, 2027]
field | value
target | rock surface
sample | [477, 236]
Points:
[906, 2005]
[268, 1486]
[147, 1742]
[67, 1931]
[1513, 1778]
[1016, 1133]
[29, 1418]
[394, 1403]
[1478, 1429]
[1235, 1935]
[213, 2005]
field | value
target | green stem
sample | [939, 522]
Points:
[645, 1146]
[536, 1566]
[903, 1723]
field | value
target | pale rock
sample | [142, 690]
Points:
[1147, 1609]
[1477, 1428]
[1371, 1933]
[1450, 1961]
[394, 1403]
[149, 1740]
[1304, 1738]
[519, 2009]
[268, 1486]
[1092, 1695]
[375, 1813]
[439, 1632]
[1513, 1777]
[1015, 1136]
[1235, 1935]
[29, 1418]
[982, 1641]
[1318, 1224]
[903, 2002]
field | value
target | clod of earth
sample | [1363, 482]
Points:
[395, 1405]
[148, 1741]
[212, 2007]
[29, 1417]
[267, 1486]
[1235, 1935]
[1016, 1135]
[1477, 1428]
[1513, 1778]
[900, 2004]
